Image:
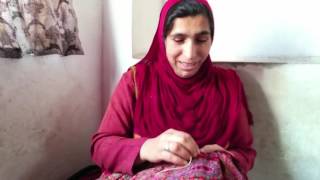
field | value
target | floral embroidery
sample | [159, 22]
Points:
[213, 166]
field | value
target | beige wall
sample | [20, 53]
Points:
[284, 100]
[50, 105]
[144, 23]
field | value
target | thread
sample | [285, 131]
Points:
[175, 168]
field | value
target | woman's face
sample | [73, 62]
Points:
[188, 44]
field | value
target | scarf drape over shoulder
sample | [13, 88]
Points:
[206, 105]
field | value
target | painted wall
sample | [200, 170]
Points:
[284, 100]
[248, 29]
[50, 106]
[117, 47]
[266, 30]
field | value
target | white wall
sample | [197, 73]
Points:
[267, 30]
[284, 100]
[51, 105]
[247, 30]
[117, 47]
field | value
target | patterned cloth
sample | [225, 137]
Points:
[38, 27]
[214, 166]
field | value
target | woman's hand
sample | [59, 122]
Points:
[213, 148]
[172, 146]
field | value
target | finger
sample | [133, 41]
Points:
[211, 148]
[184, 139]
[172, 158]
[179, 150]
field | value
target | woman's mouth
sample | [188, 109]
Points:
[187, 66]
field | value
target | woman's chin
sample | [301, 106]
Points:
[186, 73]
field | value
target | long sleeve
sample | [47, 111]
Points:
[113, 147]
[241, 145]
[242, 140]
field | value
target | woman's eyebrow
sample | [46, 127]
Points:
[178, 35]
[204, 33]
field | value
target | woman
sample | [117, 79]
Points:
[174, 114]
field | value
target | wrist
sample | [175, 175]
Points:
[139, 161]
[142, 153]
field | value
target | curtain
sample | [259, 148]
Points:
[38, 27]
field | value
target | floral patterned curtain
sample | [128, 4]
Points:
[38, 27]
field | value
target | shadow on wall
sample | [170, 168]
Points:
[269, 163]
[109, 64]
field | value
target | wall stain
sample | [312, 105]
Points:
[1, 91]
[1, 143]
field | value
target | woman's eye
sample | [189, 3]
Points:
[178, 40]
[202, 40]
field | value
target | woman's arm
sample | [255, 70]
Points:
[241, 143]
[242, 139]
[240, 146]
[113, 147]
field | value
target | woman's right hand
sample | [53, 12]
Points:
[173, 146]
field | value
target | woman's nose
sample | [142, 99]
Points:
[190, 50]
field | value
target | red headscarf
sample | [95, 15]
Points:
[200, 105]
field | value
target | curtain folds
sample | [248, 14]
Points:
[38, 27]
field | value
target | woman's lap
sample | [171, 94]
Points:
[214, 166]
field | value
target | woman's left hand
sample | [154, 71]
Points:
[212, 148]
